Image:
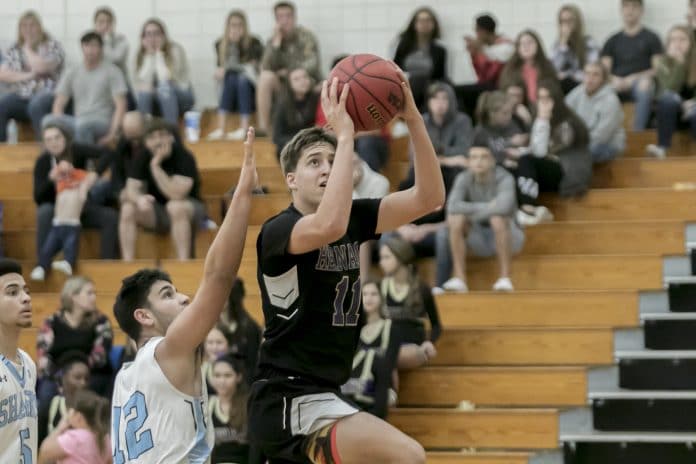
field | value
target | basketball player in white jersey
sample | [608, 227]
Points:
[18, 412]
[160, 400]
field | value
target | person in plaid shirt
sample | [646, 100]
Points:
[32, 67]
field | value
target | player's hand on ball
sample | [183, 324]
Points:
[334, 107]
[410, 111]
[249, 178]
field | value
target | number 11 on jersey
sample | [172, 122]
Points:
[350, 319]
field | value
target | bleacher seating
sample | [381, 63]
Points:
[521, 358]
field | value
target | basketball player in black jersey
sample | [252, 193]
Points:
[309, 275]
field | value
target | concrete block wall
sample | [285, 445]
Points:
[342, 26]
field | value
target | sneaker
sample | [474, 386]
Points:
[38, 274]
[217, 134]
[526, 219]
[656, 151]
[455, 284]
[437, 291]
[544, 214]
[62, 266]
[466, 405]
[503, 285]
[399, 129]
[239, 134]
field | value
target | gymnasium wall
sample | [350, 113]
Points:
[342, 26]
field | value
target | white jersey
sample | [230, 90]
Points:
[18, 413]
[153, 422]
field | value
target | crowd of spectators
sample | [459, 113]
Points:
[535, 121]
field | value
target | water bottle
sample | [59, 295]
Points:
[12, 132]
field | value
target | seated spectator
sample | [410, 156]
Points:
[82, 435]
[528, 64]
[597, 104]
[489, 52]
[496, 129]
[98, 92]
[297, 108]
[521, 114]
[407, 302]
[420, 55]
[243, 333]
[31, 67]
[72, 187]
[481, 218]
[573, 49]
[559, 159]
[58, 146]
[77, 326]
[228, 411]
[628, 55]
[675, 75]
[72, 376]
[217, 344]
[367, 184]
[162, 193]
[374, 362]
[238, 55]
[290, 47]
[115, 45]
[449, 130]
[162, 74]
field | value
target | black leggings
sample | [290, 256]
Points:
[535, 175]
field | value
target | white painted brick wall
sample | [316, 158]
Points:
[342, 26]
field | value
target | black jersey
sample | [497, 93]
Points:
[231, 444]
[312, 302]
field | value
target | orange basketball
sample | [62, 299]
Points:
[376, 95]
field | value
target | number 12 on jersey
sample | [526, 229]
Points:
[350, 319]
[137, 442]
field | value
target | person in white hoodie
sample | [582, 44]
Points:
[597, 104]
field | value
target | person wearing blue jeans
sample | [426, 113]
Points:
[33, 109]
[172, 100]
[238, 93]
[670, 105]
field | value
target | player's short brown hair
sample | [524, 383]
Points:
[293, 150]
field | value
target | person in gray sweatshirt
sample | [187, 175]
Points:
[481, 217]
[450, 133]
[597, 104]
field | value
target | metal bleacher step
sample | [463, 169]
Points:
[623, 394]
[655, 354]
[635, 437]
[668, 316]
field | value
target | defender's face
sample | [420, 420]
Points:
[225, 379]
[166, 304]
[15, 301]
[312, 172]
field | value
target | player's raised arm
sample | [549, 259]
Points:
[330, 221]
[428, 193]
[190, 328]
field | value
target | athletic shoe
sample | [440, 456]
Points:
[455, 284]
[217, 134]
[437, 291]
[656, 151]
[544, 214]
[38, 274]
[62, 266]
[503, 285]
[239, 134]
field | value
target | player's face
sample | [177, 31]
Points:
[15, 302]
[225, 379]
[216, 344]
[166, 304]
[387, 261]
[76, 378]
[312, 172]
[371, 298]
